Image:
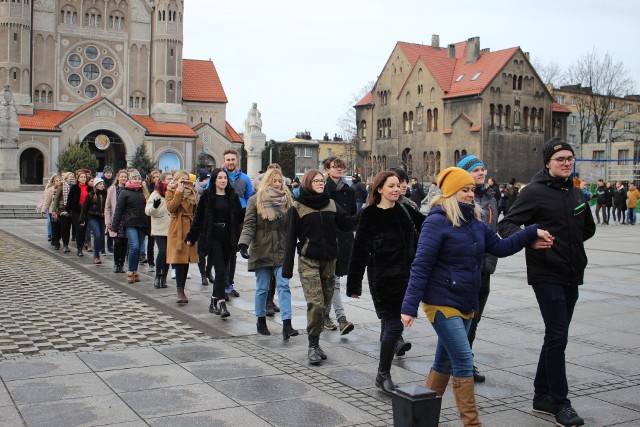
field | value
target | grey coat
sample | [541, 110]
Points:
[265, 239]
[485, 198]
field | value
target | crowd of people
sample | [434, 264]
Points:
[442, 261]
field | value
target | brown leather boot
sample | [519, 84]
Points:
[463, 390]
[136, 276]
[182, 298]
[437, 382]
[131, 277]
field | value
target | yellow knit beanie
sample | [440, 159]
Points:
[451, 180]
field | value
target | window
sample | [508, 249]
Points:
[627, 108]
[572, 100]
[573, 120]
[429, 120]
[475, 77]
[297, 151]
[307, 151]
[74, 80]
[627, 125]
[638, 110]
[435, 119]
[74, 60]
[560, 99]
[499, 116]
[612, 106]
[90, 91]
[92, 18]
[91, 52]
[107, 82]
[116, 20]
[15, 37]
[91, 71]
[108, 64]
[572, 138]
[612, 124]
[492, 115]
[622, 156]
[328, 152]
[410, 121]
[597, 155]
[507, 116]
[459, 78]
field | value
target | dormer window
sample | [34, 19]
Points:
[459, 78]
[475, 77]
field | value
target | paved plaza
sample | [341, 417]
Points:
[80, 346]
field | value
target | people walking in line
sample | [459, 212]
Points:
[345, 197]
[262, 242]
[156, 209]
[45, 203]
[130, 214]
[312, 234]
[485, 199]
[385, 245]
[633, 195]
[244, 189]
[120, 242]
[181, 198]
[92, 216]
[555, 273]
[218, 219]
[446, 277]
[619, 203]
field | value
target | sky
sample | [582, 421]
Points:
[304, 61]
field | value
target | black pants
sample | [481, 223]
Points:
[65, 229]
[391, 329]
[120, 249]
[55, 232]
[619, 213]
[80, 230]
[219, 255]
[162, 268]
[109, 243]
[483, 296]
[151, 242]
[181, 274]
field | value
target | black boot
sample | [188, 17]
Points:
[383, 379]
[157, 282]
[163, 281]
[262, 326]
[210, 277]
[213, 307]
[287, 329]
[205, 282]
[314, 346]
[80, 252]
[223, 309]
[401, 347]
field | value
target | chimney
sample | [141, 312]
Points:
[451, 53]
[473, 49]
[485, 50]
[527, 55]
[435, 41]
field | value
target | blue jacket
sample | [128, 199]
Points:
[242, 184]
[448, 262]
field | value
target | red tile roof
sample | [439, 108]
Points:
[82, 108]
[164, 129]
[231, 134]
[200, 82]
[446, 70]
[43, 120]
[559, 108]
[366, 100]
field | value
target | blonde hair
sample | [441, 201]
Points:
[262, 187]
[452, 210]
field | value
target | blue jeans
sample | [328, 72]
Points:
[263, 279]
[556, 302]
[631, 215]
[49, 226]
[97, 228]
[136, 241]
[453, 352]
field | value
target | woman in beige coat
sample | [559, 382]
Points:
[157, 209]
[181, 198]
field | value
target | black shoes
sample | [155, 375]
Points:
[223, 309]
[568, 417]
[383, 379]
[157, 282]
[213, 307]
[288, 331]
[544, 405]
[477, 376]
[234, 293]
[262, 326]
[66, 250]
[401, 347]
[205, 281]
[163, 281]
[80, 252]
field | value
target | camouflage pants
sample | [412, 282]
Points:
[317, 277]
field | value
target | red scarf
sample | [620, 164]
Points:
[84, 191]
[161, 188]
[133, 186]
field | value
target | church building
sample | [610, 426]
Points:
[109, 72]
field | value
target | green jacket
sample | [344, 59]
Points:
[265, 239]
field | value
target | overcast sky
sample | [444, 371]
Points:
[303, 61]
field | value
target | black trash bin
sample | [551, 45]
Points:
[416, 406]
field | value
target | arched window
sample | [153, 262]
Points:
[36, 96]
[68, 15]
[116, 20]
[432, 95]
[92, 18]
[384, 128]
[520, 83]
[515, 82]
[379, 129]
[492, 115]
[525, 117]
[499, 116]
[534, 117]
[363, 131]
[435, 119]
[463, 153]
[456, 157]
[541, 119]
[410, 121]
[405, 122]
[49, 97]
[507, 116]
[389, 127]
[437, 171]
[429, 119]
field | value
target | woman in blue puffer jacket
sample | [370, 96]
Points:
[445, 276]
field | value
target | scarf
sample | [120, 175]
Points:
[84, 191]
[314, 200]
[65, 192]
[161, 189]
[189, 195]
[274, 204]
[133, 186]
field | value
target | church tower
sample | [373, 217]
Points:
[15, 51]
[166, 62]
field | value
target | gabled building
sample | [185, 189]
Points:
[431, 105]
[109, 72]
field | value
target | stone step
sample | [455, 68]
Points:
[18, 211]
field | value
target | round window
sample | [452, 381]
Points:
[91, 71]
[74, 80]
[91, 52]
[107, 82]
[108, 64]
[90, 91]
[74, 60]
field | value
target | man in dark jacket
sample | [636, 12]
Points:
[360, 190]
[552, 202]
[417, 192]
[601, 202]
[485, 198]
[345, 197]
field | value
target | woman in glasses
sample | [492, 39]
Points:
[312, 233]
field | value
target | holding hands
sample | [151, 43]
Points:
[544, 241]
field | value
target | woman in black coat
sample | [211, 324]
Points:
[385, 244]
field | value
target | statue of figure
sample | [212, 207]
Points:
[8, 109]
[253, 123]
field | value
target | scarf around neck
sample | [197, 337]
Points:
[314, 200]
[133, 186]
[161, 189]
[189, 194]
[274, 204]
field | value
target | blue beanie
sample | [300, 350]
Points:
[470, 162]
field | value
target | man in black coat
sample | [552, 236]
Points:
[417, 192]
[345, 197]
[554, 271]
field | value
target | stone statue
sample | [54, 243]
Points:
[253, 123]
[8, 109]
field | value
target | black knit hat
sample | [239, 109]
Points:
[402, 174]
[552, 146]
[107, 169]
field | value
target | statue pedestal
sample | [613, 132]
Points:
[254, 144]
[9, 175]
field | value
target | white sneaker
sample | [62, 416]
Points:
[173, 273]
[188, 275]
[151, 268]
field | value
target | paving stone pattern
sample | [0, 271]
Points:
[48, 306]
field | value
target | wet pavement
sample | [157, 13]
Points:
[80, 346]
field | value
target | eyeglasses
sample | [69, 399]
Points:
[336, 167]
[318, 181]
[564, 160]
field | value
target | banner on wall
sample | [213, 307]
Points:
[102, 142]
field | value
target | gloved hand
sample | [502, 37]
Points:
[156, 203]
[243, 251]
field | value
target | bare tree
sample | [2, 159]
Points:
[549, 72]
[347, 122]
[609, 81]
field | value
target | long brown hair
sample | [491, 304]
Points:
[378, 182]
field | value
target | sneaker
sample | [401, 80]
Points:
[233, 293]
[97, 260]
[568, 417]
[143, 259]
[345, 325]
[544, 405]
[173, 273]
[477, 376]
[329, 325]
[151, 268]
[188, 275]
